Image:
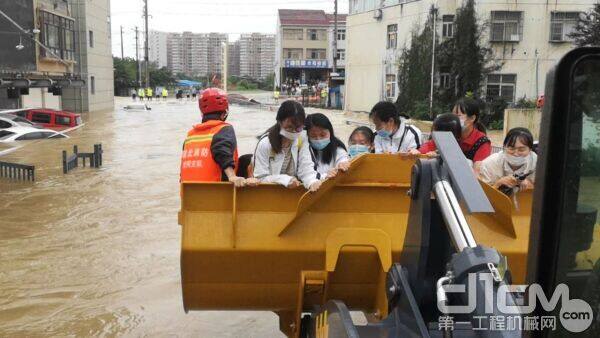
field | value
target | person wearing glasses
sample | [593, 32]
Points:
[514, 167]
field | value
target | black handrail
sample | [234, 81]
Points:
[17, 171]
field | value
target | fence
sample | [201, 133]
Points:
[16, 171]
[72, 162]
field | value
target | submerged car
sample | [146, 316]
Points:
[11, 121]
[28, 133]
[50, 118]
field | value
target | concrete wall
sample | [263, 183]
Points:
[99, 57]
[525, 118]
[94, 61]
[367, 57]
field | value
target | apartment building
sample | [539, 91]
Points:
[195, 54]
[233, 58]
[157, 45]
[257, 55]
[73, 71]
[527, 38]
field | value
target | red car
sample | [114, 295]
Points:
[51, 119]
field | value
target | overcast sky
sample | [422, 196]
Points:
[203, 16]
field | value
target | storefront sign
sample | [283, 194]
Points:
[306, 64]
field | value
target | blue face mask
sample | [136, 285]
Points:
[320, 144]
[357, 149]
[384, 133]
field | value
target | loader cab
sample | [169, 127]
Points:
[565, 229]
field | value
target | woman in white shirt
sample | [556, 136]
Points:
[394, 134]
[282, 155]
[514, 167]
[328, 153]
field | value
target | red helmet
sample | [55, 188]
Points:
[213, 100]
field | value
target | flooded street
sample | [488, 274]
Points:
[96, 252]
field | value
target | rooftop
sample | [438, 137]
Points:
[303, 17]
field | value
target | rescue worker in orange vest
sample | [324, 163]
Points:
[210, 149]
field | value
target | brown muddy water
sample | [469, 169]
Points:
[96, 252]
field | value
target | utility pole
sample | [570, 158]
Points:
[225, 51]
[137, 58]
[335, 34]
[122, 52]
[433, 12]
[146, 59]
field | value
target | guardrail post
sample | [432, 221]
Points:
[64, 158]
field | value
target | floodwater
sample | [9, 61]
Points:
[96, 252]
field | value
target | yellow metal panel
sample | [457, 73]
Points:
[246, 249]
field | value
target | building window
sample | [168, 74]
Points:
[448, 26]
[316, 54]
[341, 54]
[91, 35]
[292, 54]
[390, 86]
[501, 86]
[562, 24]
[58, 34]
[341, 34]
[92, 85]
[293, 34]
[315, 34]
[445, 81]
[392, 36]
[506, 26]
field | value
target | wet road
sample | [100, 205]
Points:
[96, 252]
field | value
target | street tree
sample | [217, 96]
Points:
[587, 31]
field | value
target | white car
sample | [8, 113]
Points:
[28, 133]
[12, 121]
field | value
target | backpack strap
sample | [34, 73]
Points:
[470, 154]
[408, 128]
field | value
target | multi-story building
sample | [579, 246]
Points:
[257, 55]
[340, 35]
[215, 57]
[72, 69]
[94, 57]
[301, 46]
[195, 54]
[526, 38]
[233, 58]
[157, 45]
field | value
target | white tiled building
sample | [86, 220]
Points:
[528, 38]
[157, 42]
[257, 55]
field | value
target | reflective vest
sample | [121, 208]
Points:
[197, 163]
[149, 92]
[165, 93]
[141, 92]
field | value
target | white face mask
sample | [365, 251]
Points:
[463, 120]
[290, 136]
[516, 161]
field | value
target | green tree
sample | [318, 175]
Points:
[161, 77]
[414, 73]
[587, 31]
[124, 75]
[470, 61]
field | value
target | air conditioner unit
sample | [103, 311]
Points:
[514, 38]
[378, 14]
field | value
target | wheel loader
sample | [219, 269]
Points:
[418, 246]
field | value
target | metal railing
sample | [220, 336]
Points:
[72, 162]
[17, 171]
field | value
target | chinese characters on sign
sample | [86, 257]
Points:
[503, 323]
[306, 64]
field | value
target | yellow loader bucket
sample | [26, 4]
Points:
[276, 249]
